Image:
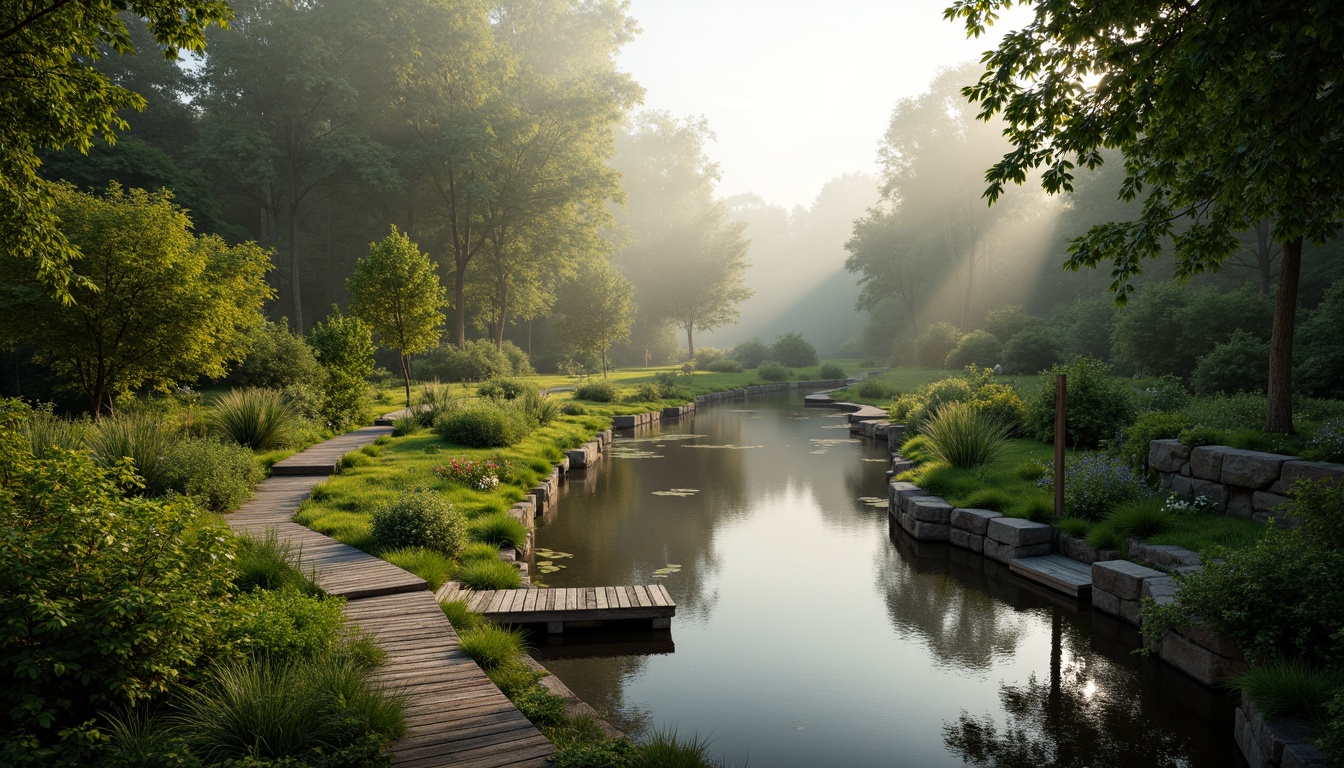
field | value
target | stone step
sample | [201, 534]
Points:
[1057, 572]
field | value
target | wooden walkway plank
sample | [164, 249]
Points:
[547, 605]
[1057, 572]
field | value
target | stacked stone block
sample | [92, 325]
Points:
[1242, 483]
[1011, 538]
[969, 527]
[1275, 744]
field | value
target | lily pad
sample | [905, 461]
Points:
[677, 492]
[873, 501]
[729, 447]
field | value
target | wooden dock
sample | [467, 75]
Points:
[455, 716]
[1057, 572]
[321, 460]
[576, 605]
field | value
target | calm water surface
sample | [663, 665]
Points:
[808, 634]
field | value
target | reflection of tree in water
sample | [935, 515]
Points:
[1090, 713]
[963, 627]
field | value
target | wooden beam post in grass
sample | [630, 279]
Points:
[1061, 399]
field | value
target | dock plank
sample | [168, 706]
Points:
[1057, 572]
[544, 604]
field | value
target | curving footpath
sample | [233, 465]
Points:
[454, 716]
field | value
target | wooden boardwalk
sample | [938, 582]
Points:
[455, 716]
[322, 459]
[1057, 572]
[556, 607]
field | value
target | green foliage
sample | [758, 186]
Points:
[43, 431]
[830, 372]
[918, 406]
[723, 366]
[1140, 518]
[480, 550]
[491, 646]
[1001, 402]
[975, 348]
[1285, 689]
[461, 616]
[143, 439]
[285, 625]
[936, 343]
[419, 518]
[499, 529]
[71, 102]
[505, 389]
[433, 402]
[1240, 364]
[793, 351]
[572, 408]
[1098, 407]
[1103, 535]
[344, 348]
[156, 305]
[269, 563]
[595, 391]
[1005, 323]
[1169, 326]
[1317, 353]
[1277, 598]
[995, 499]
[1240, 411]
[1166, 394]
[1030, 470]
[275, 359]
[770, 370]
[482, 425]
[1149, 426]
[265, 709]
[1328, 442]
[1074, 526]
[395, 289]
[596, 308]
[1094, 484]
[598, 751]
[478, 361]
[105, 601]
[873, 389]
[963, 436]
[1199, 435]
[751, 353]
[1032, 350]
[1037, 508]
[663, 748]
[406, 424]
[220, 476]
[487, 574]
[917, 449]
[539, 409]
[646, 392]
[258, 419]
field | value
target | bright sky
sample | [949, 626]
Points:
[797, 91]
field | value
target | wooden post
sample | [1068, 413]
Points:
[1061, 399]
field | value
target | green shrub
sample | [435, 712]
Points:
[1241, 364]
[1074, 526]
[499, 529]
[916, 449]
[266, 710]
[1167, 326]
[419, 518]
[488, 574]
[433, 402]
[1104, 536]
[143, 439]
[43, 431]
[646, 392]
[429, 564]
[504, 389]
[344, 348]
[477, 362]
[995, 499]
[1166, 394]
[830, 372]
[1200, 435]
[1140, 518]
[285, 624]
[491, 646]
[1149, 426]
[936, 343]
[751, 353]
[573, 409]
[1327, 444]
[1098, 407]
[1032, 350]
[873, 389]
[482, 425]
[276, 359]
[793, 351]
[406, 424]
[1002, 403]
[221, 476]
[663, 748]
[961, 436]
[1319, 363]
[258, 419]
[975, 348]
[461, 616]
[1094, 484]
[596, 392]
[139, 587]
[725, 365]
[1284, 689]
[1241, 411]
[538, 408]
[539, 705]
[1035, 507]
[597, 751]
[919, 405]
[269, 563]
[770, 370]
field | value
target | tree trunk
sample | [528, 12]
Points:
[460, 303]
[406, 374]
[1280, 417]
[690, 341]
[604, 362]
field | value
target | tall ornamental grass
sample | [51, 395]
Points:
[43, 431]
[962, 436]
[143, 439]
[259, 419]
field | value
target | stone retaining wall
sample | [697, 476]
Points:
[1275, 744]
[1243, 483]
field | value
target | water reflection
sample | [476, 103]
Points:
[807, 634]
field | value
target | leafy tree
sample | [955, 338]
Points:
[344, 348]
[1006, 322]
[1227, 115]
[275, 359]
[793, 351]
[1321, 356]
[1031, 350]
[1236, 365]
[936, 343]
[596, 309]
[51, 97]
[975, 348]
[158, 306]
[1168, 326]
[396, 290]
[751, 353]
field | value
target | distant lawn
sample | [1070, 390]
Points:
[911, 377]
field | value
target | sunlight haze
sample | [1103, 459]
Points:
[797, 93]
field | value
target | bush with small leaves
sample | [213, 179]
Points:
[1150, 426]
[1098, 406]
[504, 389]
[794, 351]
[935, 343]
[751, 353]
[772, 371]
[596, 392]
[724, 366]
[483, 425]
[573, 409]
[1032, 350]
[1240, 364]
[221, 476]
[975, 348]
[830, 372]
[1094, 484]
[419, 518]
